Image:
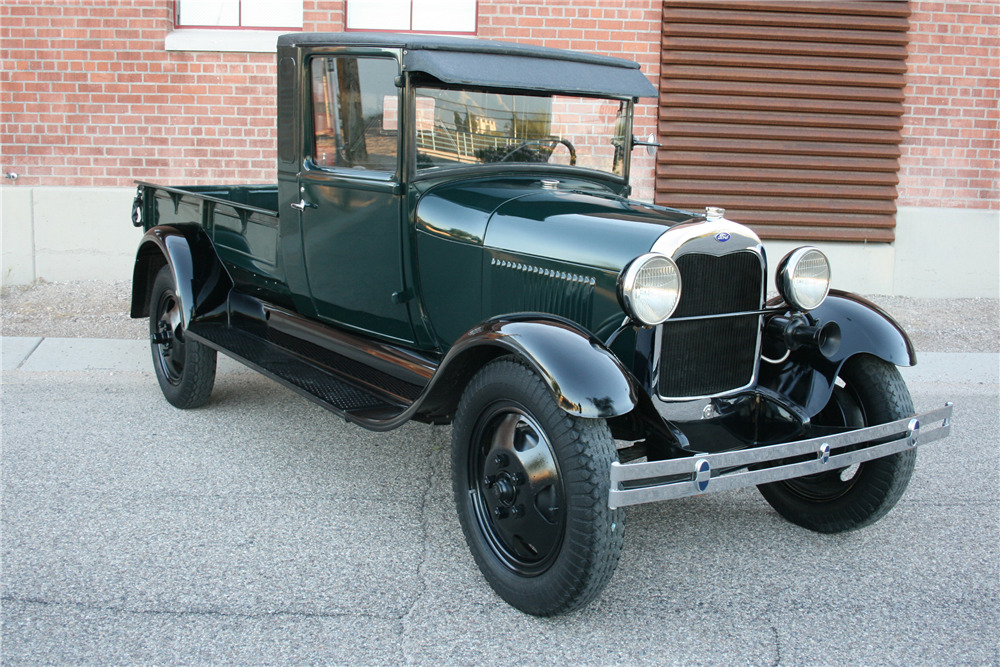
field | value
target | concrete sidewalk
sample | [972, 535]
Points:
[42, 355]
[90, 354]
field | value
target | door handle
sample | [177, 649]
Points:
[302, 205]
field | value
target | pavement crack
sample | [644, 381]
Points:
[777, 646]
[425, 504]
[211, 613]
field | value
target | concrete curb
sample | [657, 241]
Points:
[46, 355]
[41, 355]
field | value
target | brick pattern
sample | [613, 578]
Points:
[89, 96]
[951, 134]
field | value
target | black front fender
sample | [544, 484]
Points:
[201, 281]
[585, 378]
[807, 378]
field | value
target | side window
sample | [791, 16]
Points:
[355, 113]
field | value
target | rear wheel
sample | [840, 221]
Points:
[184, 368]
[869, 392]
[531, 488]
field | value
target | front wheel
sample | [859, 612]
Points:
[531, 488]
[184, 368]
[869, 391]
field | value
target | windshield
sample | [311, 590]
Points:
[461, 127]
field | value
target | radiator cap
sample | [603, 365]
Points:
[714, 212]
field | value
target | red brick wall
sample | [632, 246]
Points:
[951, 133]
[89, 96]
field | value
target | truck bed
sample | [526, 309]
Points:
[191, 200]
[241, 220]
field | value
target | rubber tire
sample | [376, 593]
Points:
[878, 390]
[186, 383]
[588, 549]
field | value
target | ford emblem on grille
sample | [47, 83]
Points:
[722, 237]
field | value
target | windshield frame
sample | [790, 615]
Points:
[460, 169]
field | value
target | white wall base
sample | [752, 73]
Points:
[62, 234]
[938, 253]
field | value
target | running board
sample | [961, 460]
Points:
[336, 383]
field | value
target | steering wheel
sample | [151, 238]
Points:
[553, 142]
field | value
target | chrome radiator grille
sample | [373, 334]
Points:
[711, 356]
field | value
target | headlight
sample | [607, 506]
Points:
[649, 288]
[803, 278]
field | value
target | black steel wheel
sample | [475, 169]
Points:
[184, 368]
[869, 392]
[531, 488]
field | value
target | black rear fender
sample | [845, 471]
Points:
[202, 283]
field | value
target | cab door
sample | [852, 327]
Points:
[351, 201]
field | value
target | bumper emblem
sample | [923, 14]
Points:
[824, 453]
[702, 474]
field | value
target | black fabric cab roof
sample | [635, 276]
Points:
[466, 61]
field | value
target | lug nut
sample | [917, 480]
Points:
[518, 478]
[488, 481]
[501, 460]
[517, 511]
[500, 513]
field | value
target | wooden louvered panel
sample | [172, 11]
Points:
[754, 117]
[789, 233]
[784, 19]
[727, 172]
[898, 9]
[798, 91]
[716, 31]
[668, 100]
[720, 160]
[778, 147]
[786, 114]
[779, 189]
[781, 204]
[836, 134]
[792, 76]
[811, 63]
[786, 48]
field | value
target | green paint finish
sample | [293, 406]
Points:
[582, 228]
[352, 250]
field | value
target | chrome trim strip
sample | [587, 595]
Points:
[725, 471]
[703, 234]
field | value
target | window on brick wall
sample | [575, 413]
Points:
[439, 16]
[251, 14]
[232, 25]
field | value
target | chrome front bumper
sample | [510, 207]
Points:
[637, 483]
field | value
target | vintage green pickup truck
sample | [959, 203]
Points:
[451, 240]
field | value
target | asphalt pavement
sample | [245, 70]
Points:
[261, 529]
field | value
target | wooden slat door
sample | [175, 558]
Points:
[787, 114]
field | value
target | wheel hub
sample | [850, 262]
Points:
[505, 490]
[163, 336]
[167, 338]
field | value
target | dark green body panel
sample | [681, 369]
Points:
[241, 221]
[352, 252]
[522, 247]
